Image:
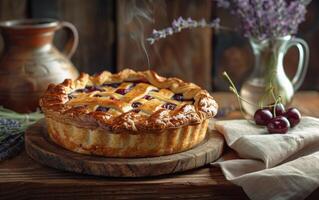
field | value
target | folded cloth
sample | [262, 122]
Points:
[272, 166]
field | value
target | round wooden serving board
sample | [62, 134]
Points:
[40, 148]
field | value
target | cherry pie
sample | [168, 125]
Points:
[128, 114]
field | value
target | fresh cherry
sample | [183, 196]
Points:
[279, 109]
[262, 116]
[293, 115]
[279, 124]
[169, 106]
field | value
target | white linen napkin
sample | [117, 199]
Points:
[272, 166]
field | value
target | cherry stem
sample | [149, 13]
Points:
[233, 89]
[272, 92]
[277, 100]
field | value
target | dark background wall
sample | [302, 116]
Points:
[113, 32]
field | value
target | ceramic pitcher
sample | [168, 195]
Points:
[30, 61]
[268, 81]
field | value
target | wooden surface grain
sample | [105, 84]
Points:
[42, 149]
[22, 178]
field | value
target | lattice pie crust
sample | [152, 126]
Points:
[128, 114]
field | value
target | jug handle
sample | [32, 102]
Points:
[73, 40]
[303, 49]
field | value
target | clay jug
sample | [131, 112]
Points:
[30, 61]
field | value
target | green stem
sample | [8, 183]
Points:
[233, 89]
[6, 113]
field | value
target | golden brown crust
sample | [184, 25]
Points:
[54, 104]
[104, 143]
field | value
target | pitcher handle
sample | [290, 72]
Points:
[303, 61]
[73, 38]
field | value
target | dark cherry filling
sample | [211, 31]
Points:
[116, 85]
[113, 85]
[148, 97]
[136, 110]
[122, 91]
[70, 96]
[79, 90]
[169, 106]
[102, 109]
[89, 89]
[93, 88]
[136, 104]
[155, 90]
[178, 97]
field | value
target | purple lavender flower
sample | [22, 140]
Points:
[179, 24]
[259, 19]
[262, 19]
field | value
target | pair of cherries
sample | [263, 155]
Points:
[276, 118]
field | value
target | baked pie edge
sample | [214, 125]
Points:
[165, 132]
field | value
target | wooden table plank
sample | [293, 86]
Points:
[22, 178]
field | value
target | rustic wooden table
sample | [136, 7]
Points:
[22, 178]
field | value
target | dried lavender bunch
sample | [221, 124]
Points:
[12, 127]
[180, 24]
[263, 19]
[11, 137]
[9, 127]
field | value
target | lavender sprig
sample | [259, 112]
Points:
[259, 19]
[180, 24]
